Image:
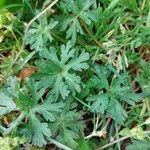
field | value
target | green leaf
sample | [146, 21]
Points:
[112, 4]
[144, 77]
[12, 86]
[116, 111]
[32, 107]
[80, 10]
[111, 92]
[139, 145]
[68, 125]
[83, 144]
[4, 3]
[58, 73]
[125, 132]
[36, 131]
[6, 104]
[48, 108]
[148, 20]
[40, 33]
[100, 103]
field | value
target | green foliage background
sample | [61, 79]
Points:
[77, 77]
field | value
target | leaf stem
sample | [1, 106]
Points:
[117, 136]
[93, 134]
[119, 140]
[62, 146]
[82, 102]
[112, 143]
